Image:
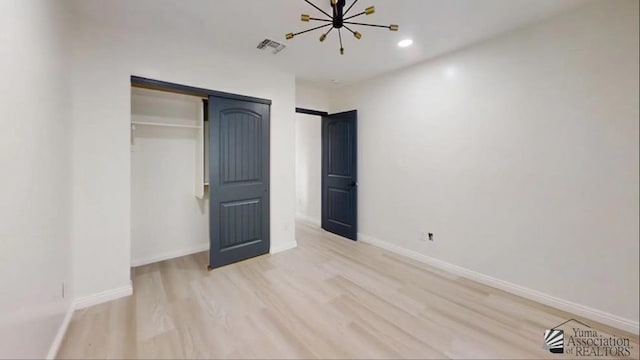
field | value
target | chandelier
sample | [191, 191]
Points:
[339, 21]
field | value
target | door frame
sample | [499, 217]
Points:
[146, 83]
[311, 112]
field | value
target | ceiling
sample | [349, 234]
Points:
[236, 27]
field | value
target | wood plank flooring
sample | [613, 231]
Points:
[328, 298]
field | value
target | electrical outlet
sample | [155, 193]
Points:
[431, 237]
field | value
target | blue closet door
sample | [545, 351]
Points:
[239, 180]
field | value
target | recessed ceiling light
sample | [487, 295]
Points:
[405, 43]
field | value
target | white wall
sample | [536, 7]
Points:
[520, 154]
[312, 97]
[104, 60]
[308, 167]
[167, 219]
[35, 174]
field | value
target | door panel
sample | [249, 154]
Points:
[241, 141]
[339, 174]
[241, 223]
[239, 180]
[339, 210]
[339, 148]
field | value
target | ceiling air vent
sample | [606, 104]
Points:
[275, 46]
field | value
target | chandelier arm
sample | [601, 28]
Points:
[315, 28]
[340, 36]
[317, 8]
[356, 15]
[325, 20]
[328, 31]
[349, 8]
[346, 27]
[373, 25]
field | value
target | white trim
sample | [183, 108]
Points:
[170, 255]
[283, 247]
[546, 299]
[62, 330]
[308, 219]
[102, 297]
[81, 303]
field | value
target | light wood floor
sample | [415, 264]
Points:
[328, 298]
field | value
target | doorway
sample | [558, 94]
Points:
[326, 171]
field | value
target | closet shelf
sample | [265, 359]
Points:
[165, 125]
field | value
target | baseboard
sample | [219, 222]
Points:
[543, 298]
[81, 303]
[102, 297]
[170, 255]
[283, 247]
[308, 219]
[62, 330]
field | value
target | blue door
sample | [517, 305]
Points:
[340, 174]
[238, 180]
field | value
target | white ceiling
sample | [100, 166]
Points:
[236, 27]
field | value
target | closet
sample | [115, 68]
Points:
[200, 173]
[169, 175]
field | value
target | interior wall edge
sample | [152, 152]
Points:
[62, 331]
[531, 294]
[103, 297]
[81, 303]
[283, 247]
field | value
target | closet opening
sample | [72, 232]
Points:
[169, 176]
[199, 174]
